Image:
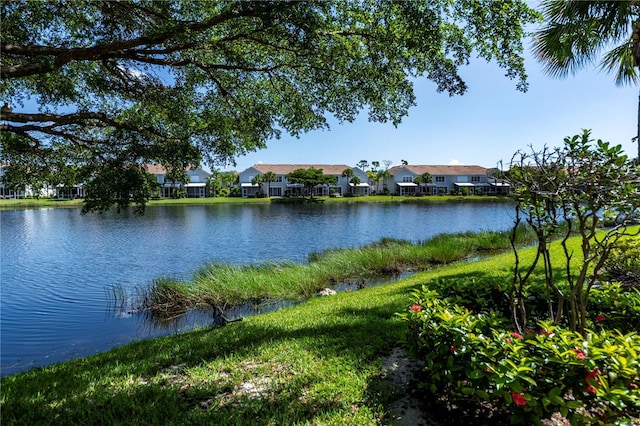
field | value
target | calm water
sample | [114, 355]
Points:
[59, 268]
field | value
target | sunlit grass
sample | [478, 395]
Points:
[32, 203]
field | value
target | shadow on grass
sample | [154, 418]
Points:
[153, 382]
[126, 385]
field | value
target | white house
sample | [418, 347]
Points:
[195, 188]
[280, 187]
[459, 179]
[69, 191]
[6, 192]
[26, 191]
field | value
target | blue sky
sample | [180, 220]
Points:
[488, 124]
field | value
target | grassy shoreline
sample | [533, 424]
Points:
[20, 204]
[228, 285]
[318, 362]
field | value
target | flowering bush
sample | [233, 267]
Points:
[616, 306]
[527, 376]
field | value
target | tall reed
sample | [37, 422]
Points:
[225, 285]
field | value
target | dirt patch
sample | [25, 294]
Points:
[401, 370]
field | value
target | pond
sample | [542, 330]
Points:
[60, 269]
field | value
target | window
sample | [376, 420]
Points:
[475, 179]
[275, 192]
[439, 179]
[407, 178]
[279, 179]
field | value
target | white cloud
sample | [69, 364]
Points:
[131, 72]
[455, 163]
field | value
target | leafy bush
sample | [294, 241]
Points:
[616, 306]
[623, 264]
[474, 356]
[573, 184]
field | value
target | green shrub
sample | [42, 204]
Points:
[623, 264]
[615, 306]
[476, 357]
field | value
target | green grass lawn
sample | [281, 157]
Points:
[50, 203]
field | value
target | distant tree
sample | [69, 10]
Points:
[354, 182]
[373, 177]
[118, 84]
[310, 178]
[268, 178]
[213, 182]
[68, 177]
[258, 180]
[362, 164]
[175, 176]
[348, 174]
[228, 180]
[498, 175]
[423, 179]
[384, 175]
[375, 165]
[576, 32]
[404, 162]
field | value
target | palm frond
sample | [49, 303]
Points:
[566, 48]
[621, 61]
[577, 31]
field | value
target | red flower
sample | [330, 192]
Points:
[592, 374]
[416, 308]
[600, 318]
[580, 353]
[518, 399]
[453, 348]
[517, 335]
[546, 333]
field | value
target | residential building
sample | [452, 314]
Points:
[195, 188]
[6, 192]
[281, 187]
[26, 191]
[69, 192]
[458, 179]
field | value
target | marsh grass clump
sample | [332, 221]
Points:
[224, 285]
[445, 249]
[168, 297]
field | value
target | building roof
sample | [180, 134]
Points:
[158, 169]
[155, 169]
[441, 170]
[283, 169]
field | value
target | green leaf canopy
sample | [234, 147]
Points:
[176, 82]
